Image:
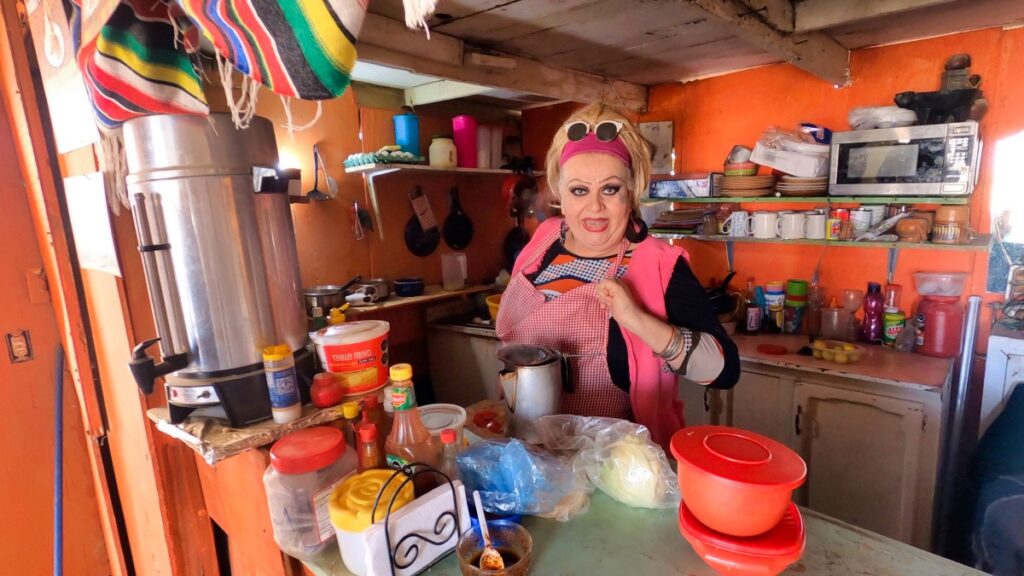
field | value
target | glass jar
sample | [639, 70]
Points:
[305, 468]
[442, 152]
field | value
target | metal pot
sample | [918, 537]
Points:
[325, 297]
[532, 382]
[382, 286]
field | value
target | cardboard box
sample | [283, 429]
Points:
[792, 163]
[700, 185]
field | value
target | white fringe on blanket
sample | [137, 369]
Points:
[242, 108]
[417, 12]
[289, 125]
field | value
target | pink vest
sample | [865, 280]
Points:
[653, 391]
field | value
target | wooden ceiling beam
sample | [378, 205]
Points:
[382, 42]
[814, 15]
[814, 52]
[779, 13]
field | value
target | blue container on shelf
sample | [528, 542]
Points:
[407, 132]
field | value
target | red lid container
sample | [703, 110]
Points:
[735, 481]
[764, 555]
[307, 450]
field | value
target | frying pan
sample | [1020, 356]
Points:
[458, 228]
[419, 241]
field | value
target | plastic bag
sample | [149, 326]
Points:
[870, 117]
[616, 456]
[800, 140]
[515, 479]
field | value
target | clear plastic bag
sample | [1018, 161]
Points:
[616, 456]
[800, 140]
[515, 479]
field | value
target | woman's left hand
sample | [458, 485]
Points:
[615, 297]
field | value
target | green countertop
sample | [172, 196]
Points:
[612, 538]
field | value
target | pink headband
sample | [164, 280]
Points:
[590, 143]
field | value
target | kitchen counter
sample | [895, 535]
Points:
[612, 538]
[877, 364]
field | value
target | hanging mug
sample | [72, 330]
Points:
[738, 224]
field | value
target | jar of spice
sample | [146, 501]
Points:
[305, 468]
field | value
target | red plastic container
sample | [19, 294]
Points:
[940, 326]
[735, 481]
[764, 555]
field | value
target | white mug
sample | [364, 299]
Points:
[738, 224]
[877, 213]
[791, 225]
[765, 224]
[860, 220]
[814, 225]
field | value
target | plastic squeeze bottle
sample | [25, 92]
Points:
[409, 441]
[871, 330]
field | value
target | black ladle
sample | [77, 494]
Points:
[315, 193]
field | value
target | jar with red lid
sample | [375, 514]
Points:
[305, 468]
[940, 326]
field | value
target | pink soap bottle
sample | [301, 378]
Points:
[871, 330]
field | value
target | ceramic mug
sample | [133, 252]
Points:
[952, 233]
[913, 230]
[737, 225]
[791, 225]
[814, 225]
[860, 219]
[952, 215]
[765, 224]
[877, 213]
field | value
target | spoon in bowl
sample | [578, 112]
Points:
[490, 559]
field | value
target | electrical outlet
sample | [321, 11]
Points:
[19, 346]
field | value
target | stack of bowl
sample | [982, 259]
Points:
[737, 511]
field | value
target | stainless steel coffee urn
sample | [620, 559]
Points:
[218, 247]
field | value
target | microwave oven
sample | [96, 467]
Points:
[932, 160]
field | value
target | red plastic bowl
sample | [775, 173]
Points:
[734, 481]
[765, 555]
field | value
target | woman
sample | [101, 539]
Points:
[624, 307]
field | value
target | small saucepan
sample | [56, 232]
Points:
[409, 286]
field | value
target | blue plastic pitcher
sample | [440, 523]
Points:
[407, 132]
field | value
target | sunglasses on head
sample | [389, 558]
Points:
[605, 130]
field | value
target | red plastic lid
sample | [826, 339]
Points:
[448, 436]
[307, 450]
[785, 539]
[367, 433]
[739, 455]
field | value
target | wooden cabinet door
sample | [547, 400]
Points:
[863, 456]
[761, 403]
[699, 403]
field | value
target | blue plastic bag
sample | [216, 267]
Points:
[515, 479]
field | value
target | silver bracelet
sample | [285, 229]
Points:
[675, 345]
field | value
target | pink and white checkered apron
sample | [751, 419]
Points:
[574, 324]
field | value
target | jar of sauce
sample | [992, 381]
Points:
[442, 152]
[940, 326]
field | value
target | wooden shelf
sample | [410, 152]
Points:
[949, 200]
[980, 243]
[373, 171]
[389, 168]
[430, 294]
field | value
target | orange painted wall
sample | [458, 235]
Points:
[328, 252]
[27, 412]
[712, 115]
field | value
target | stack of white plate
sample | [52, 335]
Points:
[794, 186]
[747, 186]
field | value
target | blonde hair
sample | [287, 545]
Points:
[639, 150]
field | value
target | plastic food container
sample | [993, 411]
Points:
[351, 509]
[734, 481]
[305, 468]
[357, 353]
[940, 283]
[764, 555]
[437, 417]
